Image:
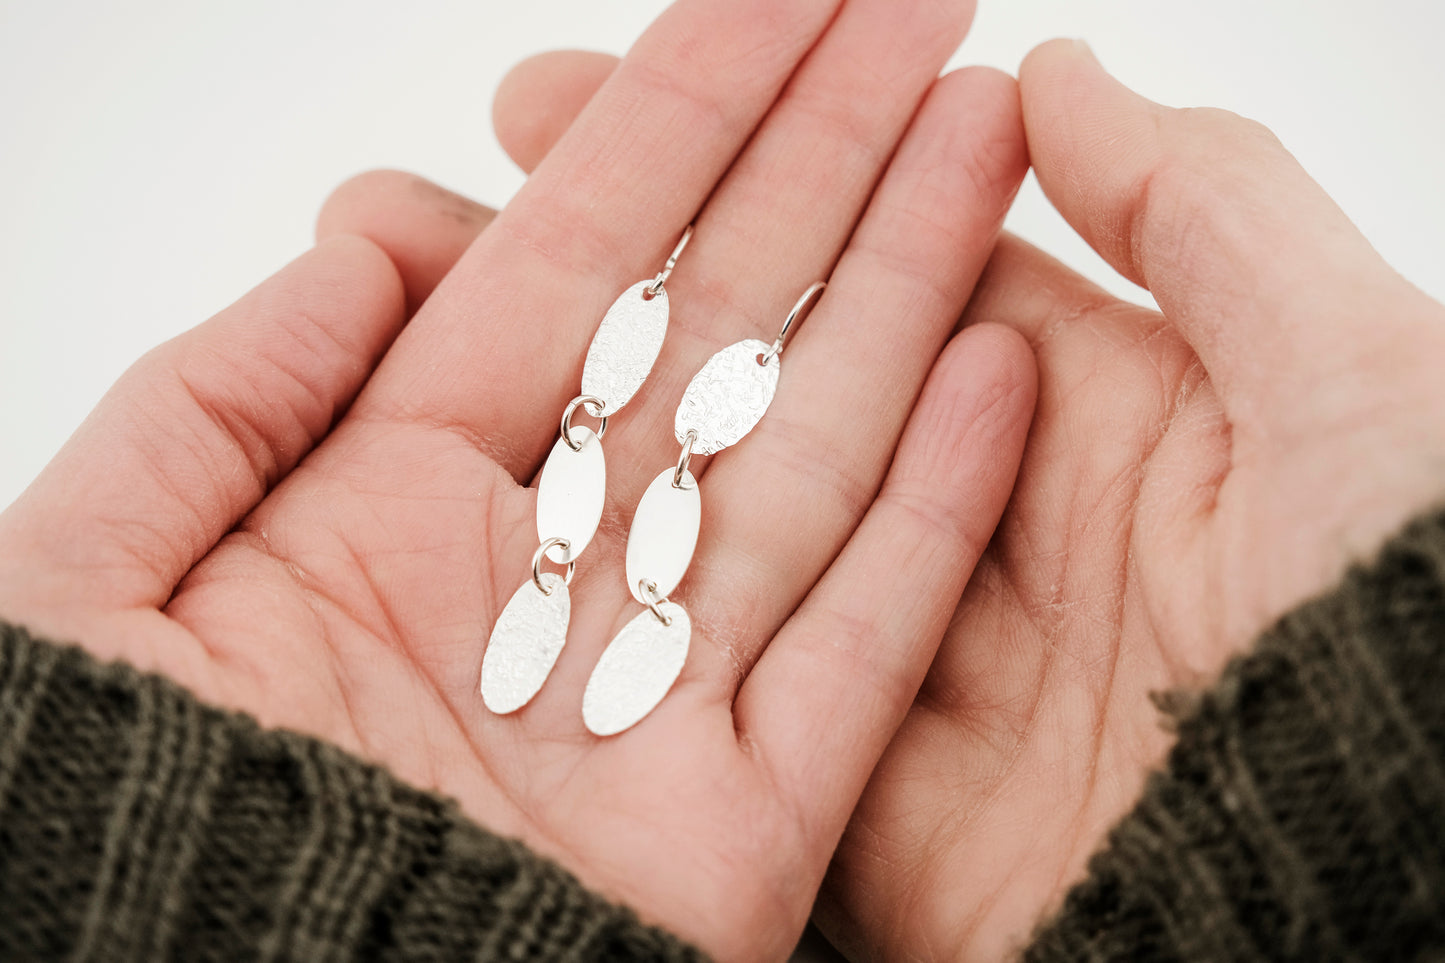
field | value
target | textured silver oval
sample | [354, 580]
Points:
[525, 643]
[636, 670]
[570, 494]
[625, 346]
[727, 397]
[663, 534]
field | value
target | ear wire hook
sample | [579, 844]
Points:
[654, 289]
[803, 302]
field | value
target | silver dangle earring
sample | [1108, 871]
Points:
[532, 629]
[723, 402]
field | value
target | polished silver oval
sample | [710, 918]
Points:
[570, 494]
[664, 534]
[727, 397]
[636, 670]
[625, 346]
[525, 643]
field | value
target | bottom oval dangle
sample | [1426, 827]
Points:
[636, 670]
[525, 643]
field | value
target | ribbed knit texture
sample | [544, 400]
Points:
[1301, 817]
[139, 824]
[1302, 812]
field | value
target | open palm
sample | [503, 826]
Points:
[313, 509]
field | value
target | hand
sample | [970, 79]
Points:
[308, 511]
[1188, 478]
[1173, 499]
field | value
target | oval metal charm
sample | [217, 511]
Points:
[625, 346]
[727, 397]
[636, 670]
[570, 494]
[664, 534]
[525, 643]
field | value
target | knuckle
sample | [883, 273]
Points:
[1213, 130]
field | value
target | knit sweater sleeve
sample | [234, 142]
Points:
[138, 824]
[1302, 811]
[1301, 816]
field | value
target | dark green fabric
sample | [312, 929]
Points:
[1302, 812]
[1301, 816]
[138, 824]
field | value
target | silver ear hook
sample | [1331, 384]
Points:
[654, 289]
[803, 302]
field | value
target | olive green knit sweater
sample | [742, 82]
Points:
[138, 824]
[1301, 816]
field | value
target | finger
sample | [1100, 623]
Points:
[851, 376]
[540, 97]
[1034, 293]
[195, 433]
[423, 227]
[496, 352]
[826, 697]
[1211, 214]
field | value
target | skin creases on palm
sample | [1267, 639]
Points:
[1116, 576]
[1023, 746]
[316, 503]
[318, 623]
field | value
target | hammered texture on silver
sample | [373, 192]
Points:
[525, 643]
[727, 397]
[625, 347]
[636, 670]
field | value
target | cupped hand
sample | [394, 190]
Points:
[1190, 476]
[313, 508]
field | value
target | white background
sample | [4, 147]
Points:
[159, 157]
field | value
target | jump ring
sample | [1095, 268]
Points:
[594, 405]
[647, 588]
[684, 459]
[541, 553]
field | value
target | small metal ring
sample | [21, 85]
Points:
[594, 405]
[647, 588]
[684, 459]
[541, 553]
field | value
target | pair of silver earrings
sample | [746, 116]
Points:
[722, 403]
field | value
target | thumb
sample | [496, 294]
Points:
[1272, 285]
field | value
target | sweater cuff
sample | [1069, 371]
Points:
[1302, 811]
[137, 823]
